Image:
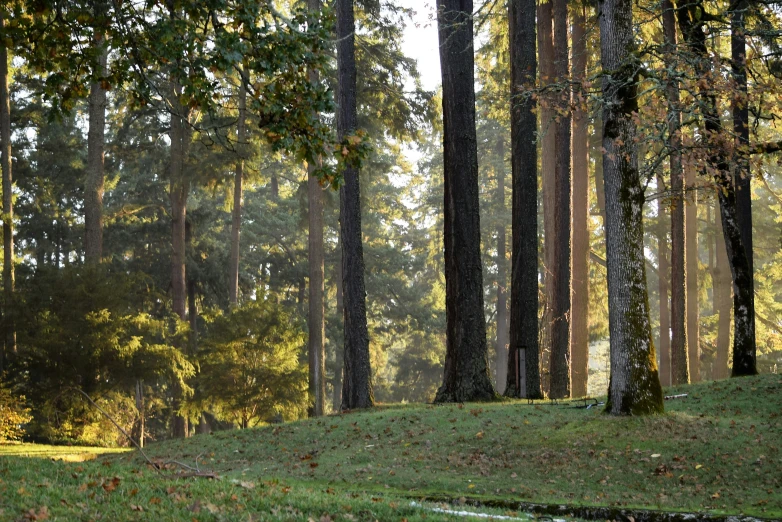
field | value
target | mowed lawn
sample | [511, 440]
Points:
[716, 451]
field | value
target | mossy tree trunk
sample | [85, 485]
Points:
[634, 386]
[523, 375]
[357, 380]
[466, 374]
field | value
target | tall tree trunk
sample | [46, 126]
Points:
[663, 271]
[523, 375]
[722, 290]
[501, 346]
[560, 309]
[179, 187]
[339, 344]
[680, 285]
[357, 382]
[236, 212]
[692, 23]
[634, 386]
[93, 190]
[316, 325]
[579, 328]
[742, 176]
[9, 337]
[466, 376]
[548, 160]
[691, 277]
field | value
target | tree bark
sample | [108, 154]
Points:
[680, 284]
[316, 325]
[339, 344]
[692, 23]
[179, 187]
[548, 162]
[93, 190]
[357, 382]
[579, 330]
[634, 386]
[236, 212]
[662, 276]
[523, 374]
[466, 376]
[691, 278]
[501, 345]
[742, 175]
[561, 275]
[722, 290]
[9, 337]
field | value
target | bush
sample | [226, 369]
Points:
[13, 415]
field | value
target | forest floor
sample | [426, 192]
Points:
[715, 452]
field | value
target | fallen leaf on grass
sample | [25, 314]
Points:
[41, 514]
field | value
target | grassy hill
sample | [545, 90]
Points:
[716, 451]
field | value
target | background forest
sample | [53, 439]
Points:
[178, 298]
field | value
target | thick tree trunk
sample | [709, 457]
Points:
[634, 386]
[93, 190]
[691, 22]
[339, 344]
[722, 290]
[742, 176]
[680, 367]
[523, 374]
[9, 329]
[236, 213]
[357, 382]
[548, 160]
[501, 345]
[579, 327]
[316, 257]
[560, 308]
[663, 270]
[179, 187]
[523, 377]
[466, 376]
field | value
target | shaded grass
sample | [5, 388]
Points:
[717, 452]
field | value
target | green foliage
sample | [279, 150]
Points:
[14, 414]
[250, 369]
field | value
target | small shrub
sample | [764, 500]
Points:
[13, 415]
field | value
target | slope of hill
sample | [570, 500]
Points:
[716, 452]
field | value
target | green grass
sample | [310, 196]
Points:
[718, 452]
[64, 453]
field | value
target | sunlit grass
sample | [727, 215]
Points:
[64, 453]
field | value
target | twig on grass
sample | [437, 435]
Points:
[195, 471]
